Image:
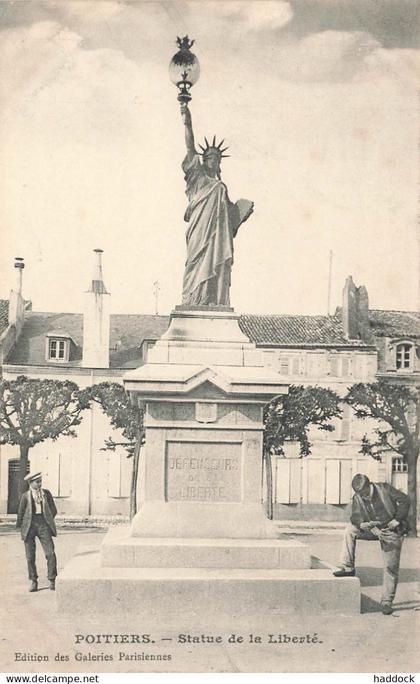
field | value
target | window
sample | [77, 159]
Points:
[398, 465]
[57, 349]
[346, 423]
[334, 366]
[284, 365]
[289, 365]
[345, 366]
[340, 366]
[403, 356]
[57, 470]
[296, 365]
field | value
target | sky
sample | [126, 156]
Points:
[317, 100]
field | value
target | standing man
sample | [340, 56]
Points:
[379, 511]
[35, 517]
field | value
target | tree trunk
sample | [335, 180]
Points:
[269, 476]
[412, 491]
[23, 467]
[134, 476]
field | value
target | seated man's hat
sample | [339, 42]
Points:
[360, 482]
[33, 476]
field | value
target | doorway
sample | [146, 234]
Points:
[13, 485]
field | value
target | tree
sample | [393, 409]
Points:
[397, 407]
[33, 410]
[289, 417]
[115, 403]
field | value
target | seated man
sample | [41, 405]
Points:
[379, 511]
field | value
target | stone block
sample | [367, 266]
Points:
[205, 326]
[178, 519]
[222, 593]
[119, 549]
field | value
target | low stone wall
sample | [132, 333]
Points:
[77, 521]
[312, 512]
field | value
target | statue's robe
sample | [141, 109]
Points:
[213, 221]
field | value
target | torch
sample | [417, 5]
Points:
[184, 69]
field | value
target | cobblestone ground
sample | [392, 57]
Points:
[369, 642]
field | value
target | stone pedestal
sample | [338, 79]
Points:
[200, 532]
[203, 389]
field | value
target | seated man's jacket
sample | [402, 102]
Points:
[389, 504]
[26, 511]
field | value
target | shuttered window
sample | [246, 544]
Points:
[287, 480]
[334, 366]
[57, 474]
[345, 421]
[119, 474]
[345, 366]
[284, 365]
[337, 481]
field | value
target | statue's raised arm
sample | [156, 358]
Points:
[189, 133]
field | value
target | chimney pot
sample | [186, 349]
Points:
[19, 265]
[96, 320]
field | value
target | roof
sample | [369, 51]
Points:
[126, 336]
[284, 330]
[129, 331]
[4, 314]
[58, 333]
[395, 323]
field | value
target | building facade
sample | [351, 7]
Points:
[353, 345]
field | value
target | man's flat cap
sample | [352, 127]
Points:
[33, 476]
[359, 482]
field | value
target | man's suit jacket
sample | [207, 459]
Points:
[26, 510]
[395, 502]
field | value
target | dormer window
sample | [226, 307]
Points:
[403, 356]
[57, 348]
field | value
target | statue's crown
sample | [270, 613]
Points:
[214, 148]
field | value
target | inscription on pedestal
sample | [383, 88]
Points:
[206, 472]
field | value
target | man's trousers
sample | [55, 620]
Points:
[40, 529]
[391, 552]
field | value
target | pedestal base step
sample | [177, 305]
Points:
[84, 586]
[119, 549]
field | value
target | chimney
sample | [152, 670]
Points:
[355, 312]
[96, 319]
[349, 311]
[16, 301]
[365, 331]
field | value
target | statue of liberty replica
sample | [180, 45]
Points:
[200, 540]
[213, 220]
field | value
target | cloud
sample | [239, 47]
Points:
[266, 14]
[145, 32]
[329, 56]
[51, 81]
[394, 23]
[320, 127]
[32, 56]
[94, 11]
[402, 66]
